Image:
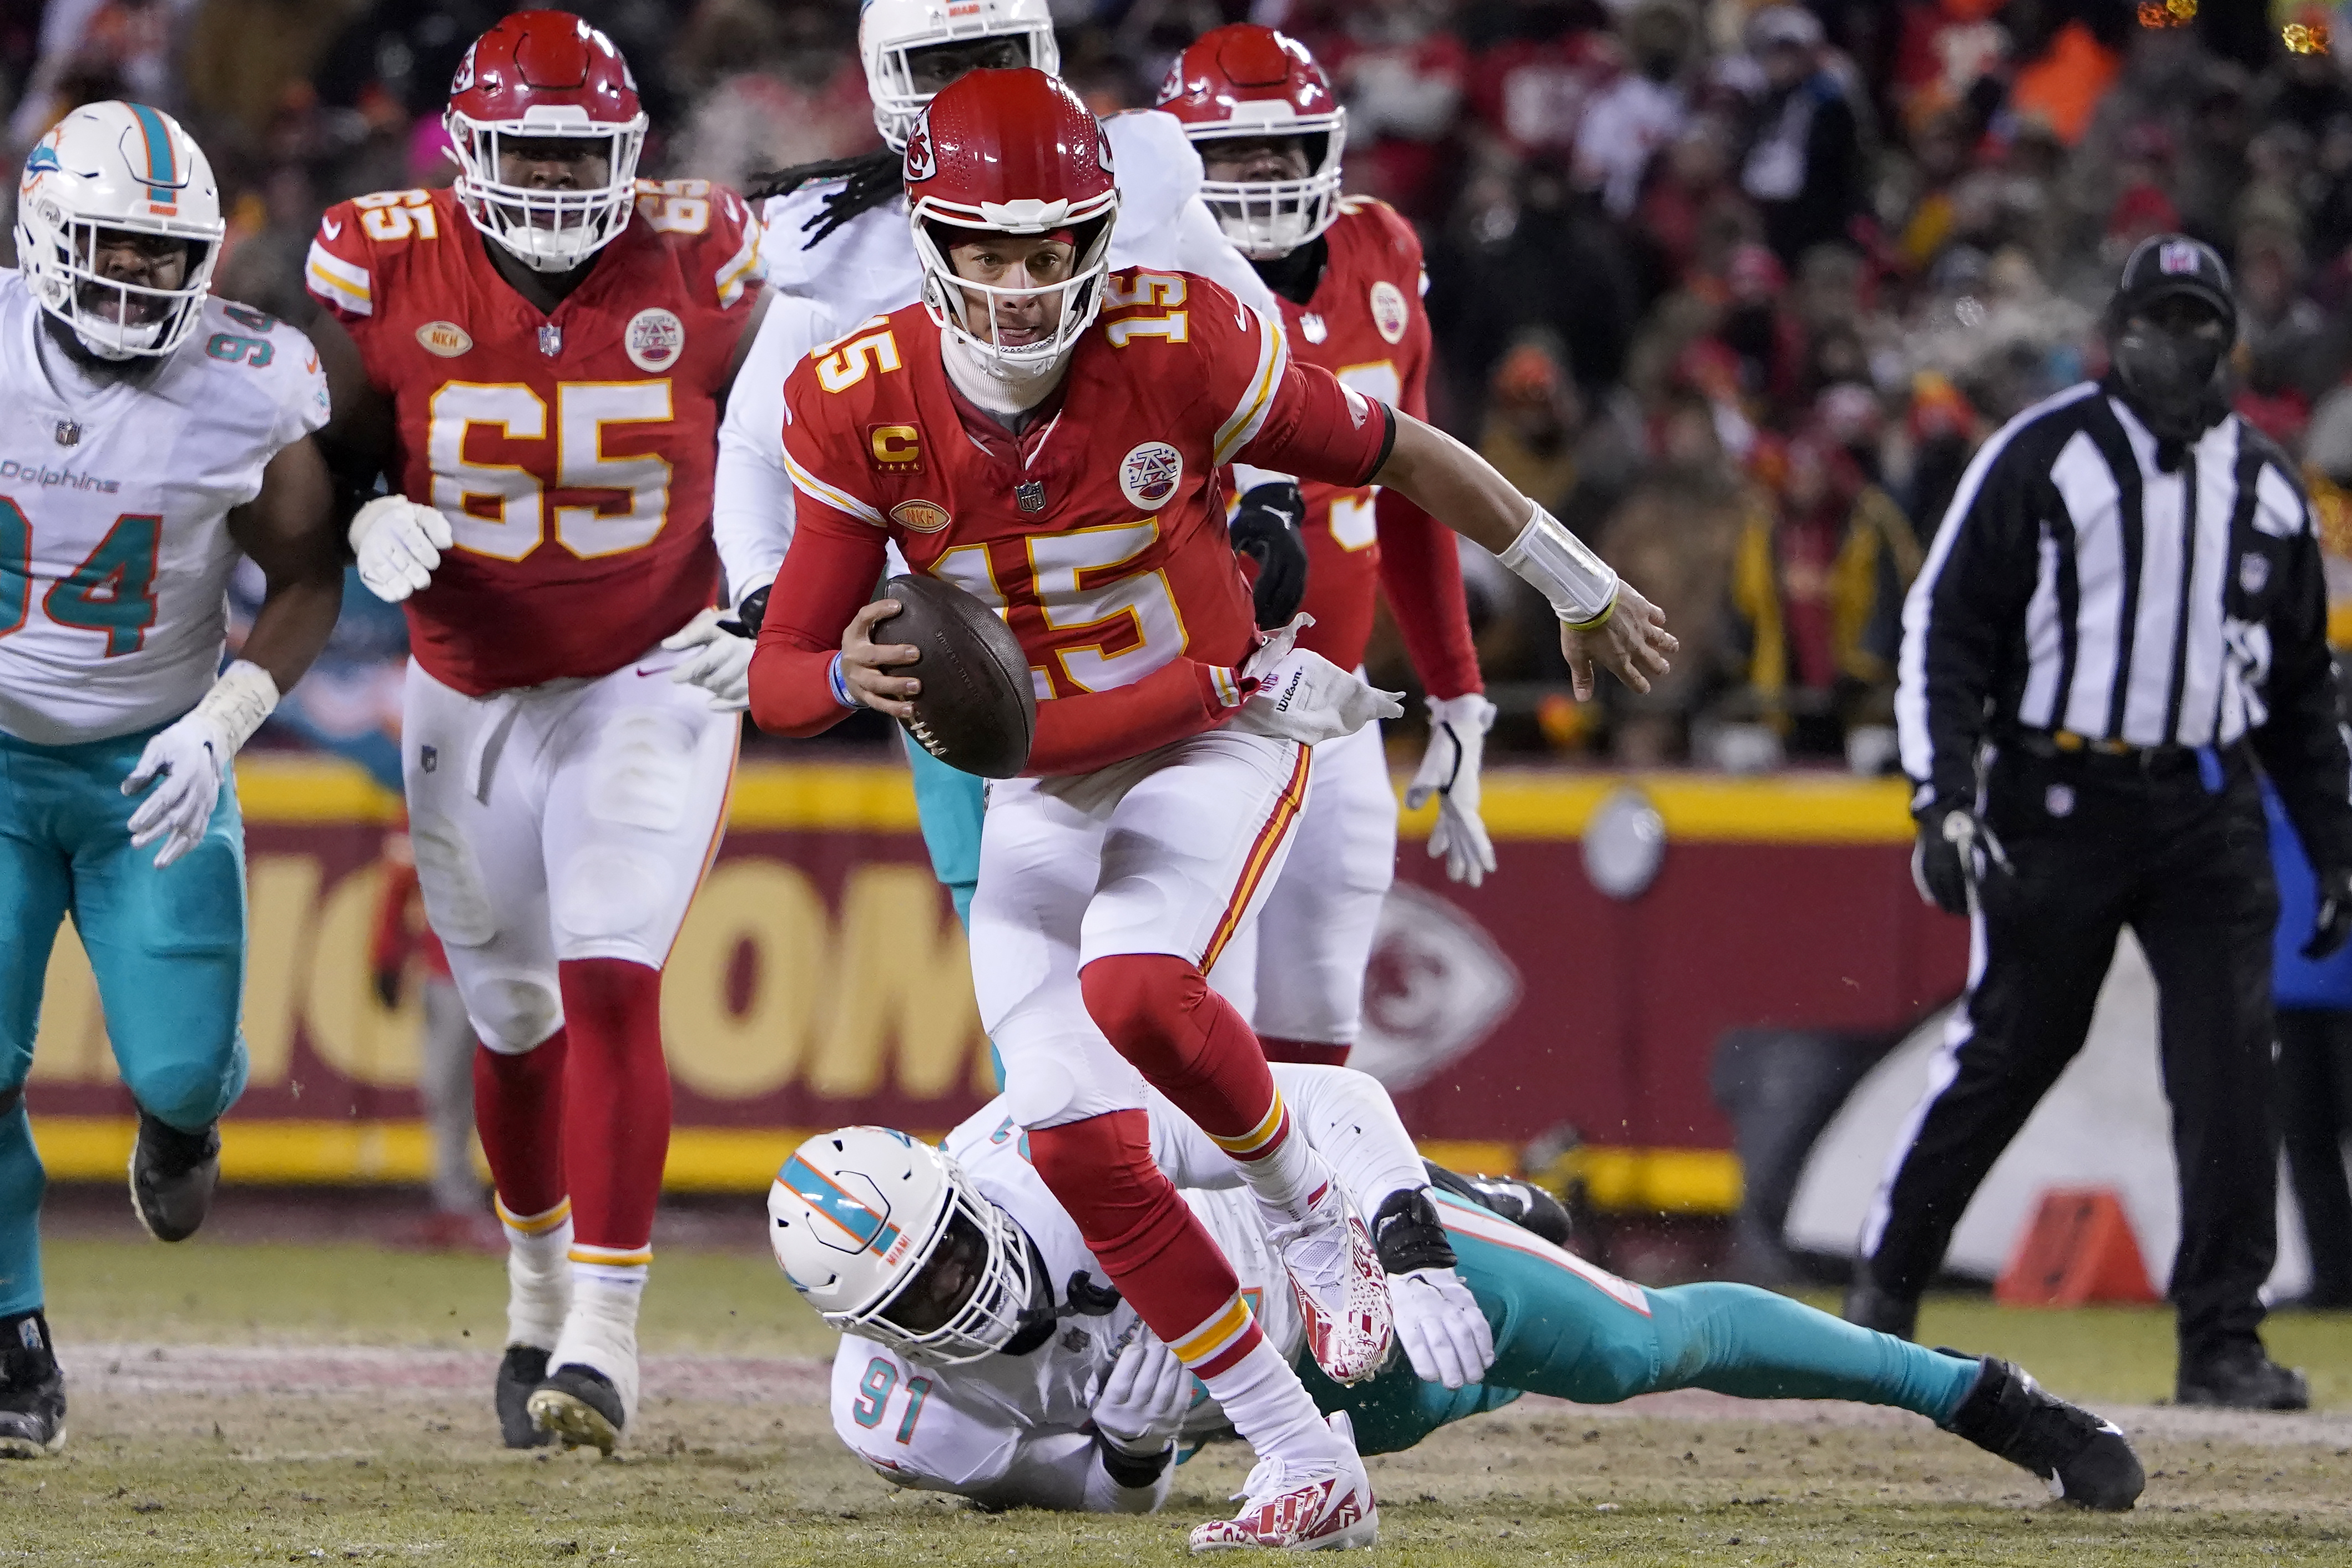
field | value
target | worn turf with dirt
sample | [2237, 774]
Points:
[326, 1403]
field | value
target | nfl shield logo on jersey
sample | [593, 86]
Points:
[654, 340]
[1388, 310]
[550, 340]
[2253, 572]
[69, 433]
[1149, 475]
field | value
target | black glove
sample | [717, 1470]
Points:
[1954, 850]
[1265, 529]
[2331, 923]
[749, 614]
[387, 988]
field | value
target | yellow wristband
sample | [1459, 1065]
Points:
[1598, 621]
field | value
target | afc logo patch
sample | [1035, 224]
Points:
[654, 340]
[1388, 310]
[2176, 256]
[894, 448]
[921, 162]
[2253, 572]
[1149, 474]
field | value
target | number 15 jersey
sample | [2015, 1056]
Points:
[571, 450]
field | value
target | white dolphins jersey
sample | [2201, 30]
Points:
[867, 268]
[114, 500]
[1001, 1427]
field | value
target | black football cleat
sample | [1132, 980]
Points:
[1523, 1203]
[579, 1405]
[172, 1175]
[522, 1369]
[2244, 1379]
[2083, 1460]
[32, 1391]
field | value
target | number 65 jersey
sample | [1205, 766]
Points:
[114, 500]
[571, 450]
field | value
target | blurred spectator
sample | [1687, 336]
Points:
[1804, 167]
[93, 49]
[1402, 73]
[773, 89]
[1642, 111]
[243, 56]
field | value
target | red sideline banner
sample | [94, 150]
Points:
[821, 979]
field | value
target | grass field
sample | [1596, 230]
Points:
[236, 1404]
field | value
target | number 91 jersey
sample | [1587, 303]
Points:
[114, 501]
[571, 451]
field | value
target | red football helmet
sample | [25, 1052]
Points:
[1250, 81]
[550, 76]
[1014, 152]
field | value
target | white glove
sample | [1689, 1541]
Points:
[398, 543]
[191, 756]
[1449, 770]
[1143, 1397]
[1444, 1334]
[723, 667]
[1303, 696]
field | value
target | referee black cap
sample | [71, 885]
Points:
[2164, 266]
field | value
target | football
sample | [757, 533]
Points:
[978, 711]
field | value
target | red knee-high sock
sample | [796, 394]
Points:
[519, 1112]
[1190, 1042]
[1155, 1248]
[615, 1104]
[1314, 1053]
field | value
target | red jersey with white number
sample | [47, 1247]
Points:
[1099, 533]
[572, 451]
[1365, 324]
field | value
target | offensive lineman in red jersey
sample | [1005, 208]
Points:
[1048, 436]
[1347, 274]
[547, 346]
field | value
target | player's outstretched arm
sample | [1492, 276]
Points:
[1602, 619]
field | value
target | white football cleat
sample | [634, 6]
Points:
[1301, 1505]
[1341, 1289]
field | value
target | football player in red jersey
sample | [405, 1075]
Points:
[1347, 273]
[547, 346]
[1049, 435]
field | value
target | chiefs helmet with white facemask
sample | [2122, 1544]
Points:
[891, 33]
[1011, 153]
[545, 75]
[123, 166]
[884, 1237]
[1250, 81]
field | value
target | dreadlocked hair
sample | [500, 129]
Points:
[869, 180]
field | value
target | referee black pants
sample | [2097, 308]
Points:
[2176, 852]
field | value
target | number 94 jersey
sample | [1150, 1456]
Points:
[114, 503]
[572, 451]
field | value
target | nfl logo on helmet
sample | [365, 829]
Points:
[2176, 256]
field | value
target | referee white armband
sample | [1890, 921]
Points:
[242, 696]
[1582, 586]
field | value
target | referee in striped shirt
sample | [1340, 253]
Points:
[2121, 618]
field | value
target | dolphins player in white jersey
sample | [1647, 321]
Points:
[839, 251]
[984, 1353]
[148, 434]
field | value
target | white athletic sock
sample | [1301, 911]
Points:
[1267, 1404]
[538, 1275]
[1283, 1170]
[601, 1330]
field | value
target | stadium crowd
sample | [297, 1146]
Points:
[1737, 286]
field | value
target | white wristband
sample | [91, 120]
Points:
[1580, 584]
[239, 701]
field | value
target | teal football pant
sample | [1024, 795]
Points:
[167, 946]
[1565, 1328]
[952, 804]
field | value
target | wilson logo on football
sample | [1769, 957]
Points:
[1388, 310]
[1149, 475]
[446, 339]
[921, 163]
[654, 340]
[920, 517]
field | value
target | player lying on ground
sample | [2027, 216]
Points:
[545, 348]
[159, 434]
[1346, 273]
[837, 251]
[1046, 435]
[981, 1355]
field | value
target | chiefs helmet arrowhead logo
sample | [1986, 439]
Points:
[921, 163]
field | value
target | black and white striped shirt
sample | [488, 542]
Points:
[2076, 585]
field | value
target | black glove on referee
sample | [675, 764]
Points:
[2332, 921]
[1955, 849]
[1265, 529]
